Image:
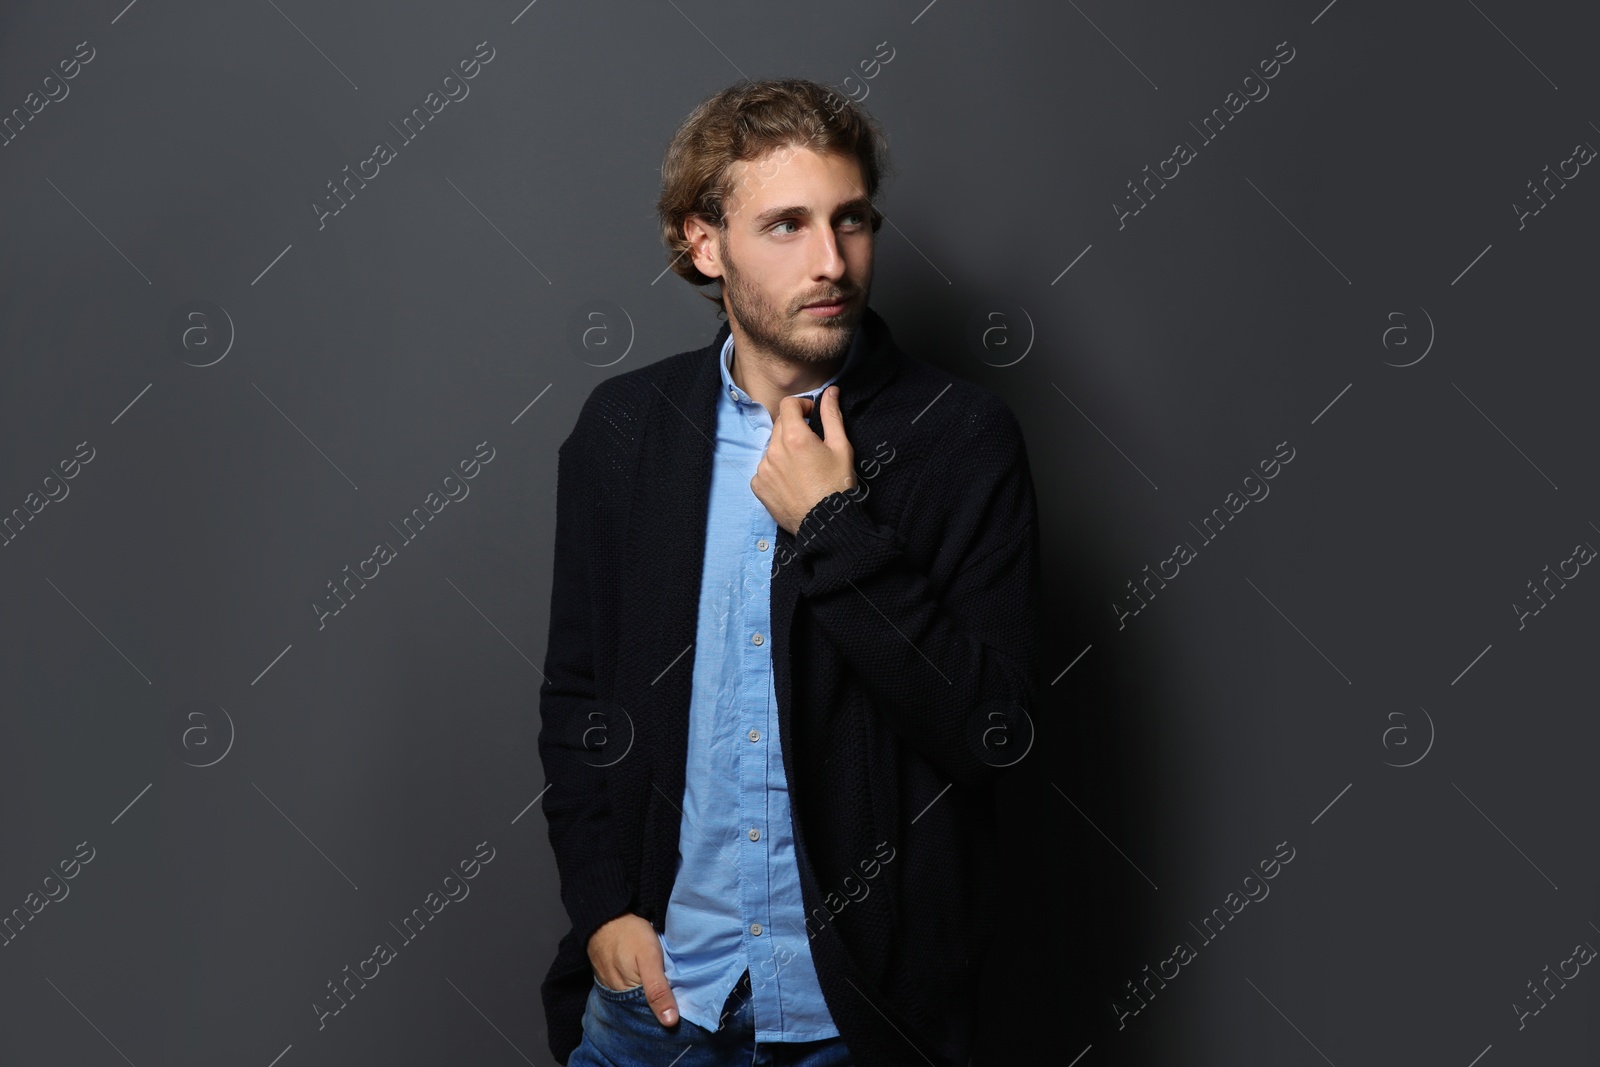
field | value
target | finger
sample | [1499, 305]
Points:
[656, 990]
[832, 416]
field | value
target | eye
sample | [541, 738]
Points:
[785, 222]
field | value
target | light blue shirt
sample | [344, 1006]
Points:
[736, 903]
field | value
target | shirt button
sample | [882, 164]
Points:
[757, 639]
[755, 928]
[755, 735]
[733, 394]
[762, 544]
[755, 835]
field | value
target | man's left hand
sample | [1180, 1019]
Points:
[799, 468]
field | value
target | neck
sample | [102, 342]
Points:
[768, 379]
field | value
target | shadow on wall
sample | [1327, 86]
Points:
[1074, 910]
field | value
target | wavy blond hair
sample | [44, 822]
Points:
[745, 122]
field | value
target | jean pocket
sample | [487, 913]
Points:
[632, 992]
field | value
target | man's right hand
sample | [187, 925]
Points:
[626, 952]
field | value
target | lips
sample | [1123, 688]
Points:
[830, 303]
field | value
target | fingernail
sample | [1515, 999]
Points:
[670, 1016]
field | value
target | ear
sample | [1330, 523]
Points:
[704, 250]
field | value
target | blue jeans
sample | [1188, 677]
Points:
[620, 1030]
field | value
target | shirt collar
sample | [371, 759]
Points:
[853, 356]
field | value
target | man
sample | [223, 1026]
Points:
[779, 848]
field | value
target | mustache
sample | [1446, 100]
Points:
[831, 298]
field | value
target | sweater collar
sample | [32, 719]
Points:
[853, 356]
[873, 360]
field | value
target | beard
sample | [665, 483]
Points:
[788, 333]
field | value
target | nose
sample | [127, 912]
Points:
[830, 262]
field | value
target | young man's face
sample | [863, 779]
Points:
[799, 233]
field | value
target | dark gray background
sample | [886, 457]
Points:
[1358, 617]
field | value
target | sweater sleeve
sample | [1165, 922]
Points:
[952, 671]
[594, 883]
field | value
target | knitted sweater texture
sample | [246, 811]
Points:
[903, 618]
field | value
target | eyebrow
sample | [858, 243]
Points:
[860, 204]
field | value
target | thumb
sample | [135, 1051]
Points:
[832, 416]
[653, 976]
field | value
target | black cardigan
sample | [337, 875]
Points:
[903, 646]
